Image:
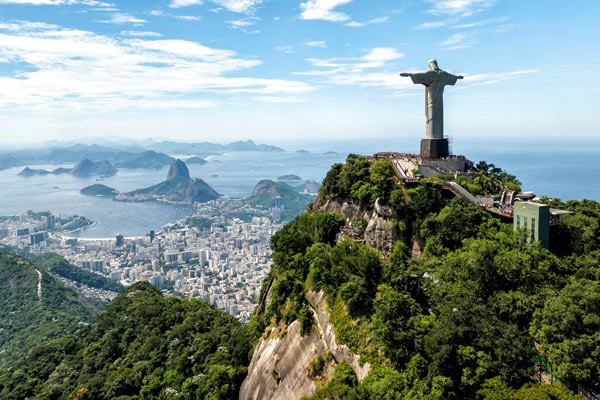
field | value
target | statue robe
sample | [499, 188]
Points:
[434, 81]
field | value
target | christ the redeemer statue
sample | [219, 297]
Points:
[434, 80]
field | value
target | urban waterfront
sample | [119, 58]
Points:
[231, 174]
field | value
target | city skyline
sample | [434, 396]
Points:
[224, 70]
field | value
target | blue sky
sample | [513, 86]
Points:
[295, 71]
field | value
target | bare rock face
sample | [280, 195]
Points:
[348, 209]
[178, 169]
[278, 369]
[379, 232]
[339, 352]
[279, 366]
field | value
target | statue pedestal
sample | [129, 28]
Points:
[434, 148]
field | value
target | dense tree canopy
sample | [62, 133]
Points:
[478, 314]
[143, 345]
[464, 320]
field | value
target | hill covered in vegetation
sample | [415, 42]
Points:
[380, 291]
[98, 189]
[143, 345]
[178, 187]
[267, 191]
[35, 307]
[461, 307]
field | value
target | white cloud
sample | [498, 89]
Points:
[370, 70]
[92, 3]
[123, 18]
[187, 17]
[238, 6]
[316, 43]
[242, 23]
[354, 24]
[495, 77]
[459, 41]
[431, 25]
[380, 20]
[279, 99]
[285, 49]
[77, 71]
[161, 13]
[324, 10]
[184, 3]
[484, 22]
[141, 34]
[460, 8]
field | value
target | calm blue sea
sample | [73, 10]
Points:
[231, 174]
[553, 170]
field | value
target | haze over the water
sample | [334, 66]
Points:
[282, 71]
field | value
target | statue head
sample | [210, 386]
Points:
[433, 65]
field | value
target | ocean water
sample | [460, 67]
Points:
[553, 170]
[231, 174]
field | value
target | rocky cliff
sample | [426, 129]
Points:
[280, 366]
[281, 363]
[372, 225]
[178, 169]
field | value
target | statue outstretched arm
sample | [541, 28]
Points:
[460, 77]
[405, 74]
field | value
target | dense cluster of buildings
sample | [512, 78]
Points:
[222, 260]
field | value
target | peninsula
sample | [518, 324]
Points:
[179, 187]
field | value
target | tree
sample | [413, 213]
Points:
[568, 330]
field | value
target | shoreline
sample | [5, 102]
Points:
[86, 239]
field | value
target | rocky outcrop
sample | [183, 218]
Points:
[347, 208]
[339, 352]
[279, 366]
[378, 233]
[178, 169]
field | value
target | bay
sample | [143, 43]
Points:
[565, 172]
[231, 174]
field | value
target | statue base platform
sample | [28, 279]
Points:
[434, 148]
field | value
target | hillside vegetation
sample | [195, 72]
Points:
[265, 192]
[143, 345]
[35, 307]
[470, 319]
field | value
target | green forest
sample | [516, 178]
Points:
[143, 345]
[480, 313]
[35, 307]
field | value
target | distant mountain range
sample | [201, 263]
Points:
[150, 155]
[83, 168]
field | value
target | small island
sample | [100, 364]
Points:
[288, 178]
[196, 161]
[99, 190]
[27, 172]
[83, 168]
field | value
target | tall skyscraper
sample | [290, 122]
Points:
[119, 241]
